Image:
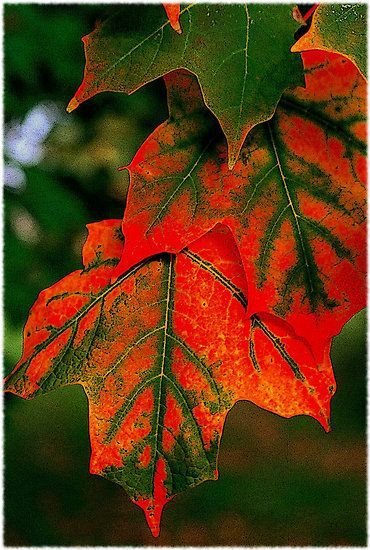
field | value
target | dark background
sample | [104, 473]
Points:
[282, 482]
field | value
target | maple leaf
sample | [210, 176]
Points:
[295, 201]
[240, 54]
[173, 14]
[163, 353]
[338, 28]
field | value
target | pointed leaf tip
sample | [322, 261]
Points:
[153, 519]
[173, 14]
[72, 105]
[153, 507]
[231, 162]
[324, 422]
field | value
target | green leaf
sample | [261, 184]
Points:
[340, 29]
[240, 54]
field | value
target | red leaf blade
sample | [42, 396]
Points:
[163, 353]
[149, 350]
[295, 201]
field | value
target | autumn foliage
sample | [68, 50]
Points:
[241, 252]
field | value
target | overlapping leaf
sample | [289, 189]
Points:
[338, 28]
[239, 52]
[173, 14]
[163, 353]
[166, 333]
[295, 201]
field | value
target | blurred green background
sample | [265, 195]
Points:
[282, 482]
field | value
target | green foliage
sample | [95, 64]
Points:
[240, 54]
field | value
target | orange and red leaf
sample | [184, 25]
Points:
[163, 353]
[295, 201]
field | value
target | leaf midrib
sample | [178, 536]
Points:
[163, 363]
[296, 214]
